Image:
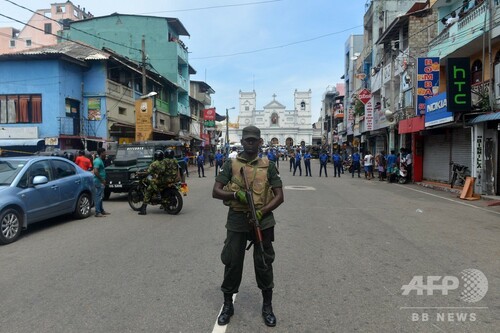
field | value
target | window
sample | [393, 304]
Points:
[12, 43]
[41, 168]
[63, 169]
[47, 28]
[302, 105]
[60, 9]
[162, 122]
[20, 109]
[28, 42]
[476, 72]
[247, 108]
[122, 111]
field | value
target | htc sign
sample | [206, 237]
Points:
[458, 85]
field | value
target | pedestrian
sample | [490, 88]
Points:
[271, 156]
[323, 161]
[200, 161]
[186, 163]
[267, 197]
[307, 163]
[368, 163]
[356, 163]
[233, 153]
[381, 165]
[292, 160]
[83, 161]
[99, 182]
[219, 160]
[298, 157]
[391, 165]
[211, 158]
[337, 163]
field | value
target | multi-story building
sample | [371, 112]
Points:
[70, 95]
[193, 128]
[153, 42]
[353, 82]
[43, 28]
[467, 135]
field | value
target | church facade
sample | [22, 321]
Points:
[278, 126]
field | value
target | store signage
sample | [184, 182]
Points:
[436, 111]
[143, 119]
[209, 117]
[427, 81]
[364, 96]
[458, 84]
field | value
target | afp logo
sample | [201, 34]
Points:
[473, 285]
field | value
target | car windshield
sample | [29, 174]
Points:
[9, 170]
[133, 152]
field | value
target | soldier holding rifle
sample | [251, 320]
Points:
[263, 186]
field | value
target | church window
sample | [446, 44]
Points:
[302, 105]
[274, 119]
[247, 108]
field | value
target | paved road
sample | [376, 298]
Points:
[345, 247]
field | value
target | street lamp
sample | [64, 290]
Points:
[227, 129]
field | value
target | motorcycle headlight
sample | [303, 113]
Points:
[133, 175]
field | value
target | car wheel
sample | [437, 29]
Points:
[10, 226]
[83, 206]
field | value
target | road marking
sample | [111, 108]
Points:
[217, 327]
[455, 201]
[300, 188]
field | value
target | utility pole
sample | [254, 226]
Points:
[392, 135]
[143, 51]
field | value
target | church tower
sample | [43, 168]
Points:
[302, 105]
[248, 101]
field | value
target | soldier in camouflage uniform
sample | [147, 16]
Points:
[267, 193]
[156, 177]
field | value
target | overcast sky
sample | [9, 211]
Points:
[270, 46]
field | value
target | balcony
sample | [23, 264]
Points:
[182, 82]
[120, 91]
[182, 109]
[463, 32]
[204, 98]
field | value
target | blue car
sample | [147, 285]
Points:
[37, 188]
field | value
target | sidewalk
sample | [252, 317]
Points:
[456, 189]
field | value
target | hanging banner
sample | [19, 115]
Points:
[369, 115]
[209, 117]
[458, 86]
[427, 81]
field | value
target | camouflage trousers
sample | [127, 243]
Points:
[151, 190]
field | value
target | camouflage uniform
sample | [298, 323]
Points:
[157, 183]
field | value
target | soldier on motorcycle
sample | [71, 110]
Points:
[156, 180]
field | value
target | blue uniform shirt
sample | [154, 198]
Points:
[323, 158]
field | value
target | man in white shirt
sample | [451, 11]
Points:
[368, 162]
[233, 153]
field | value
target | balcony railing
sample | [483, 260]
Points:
[120, 91]
[461, 33]
[77, 127]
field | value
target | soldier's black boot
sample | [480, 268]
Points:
[143, 209]
[267, 308]
[227, 310]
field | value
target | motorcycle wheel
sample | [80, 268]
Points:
[135, 198]
[402, 180]
[172, 201]
[453, 179]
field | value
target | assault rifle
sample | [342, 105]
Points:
[253, 218]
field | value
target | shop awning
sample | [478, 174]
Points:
[411, 125]
[485, 117]
[19, 142]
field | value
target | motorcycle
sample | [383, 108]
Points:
[170, 198]
[401, 174]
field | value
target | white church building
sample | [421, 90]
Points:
[278, 126]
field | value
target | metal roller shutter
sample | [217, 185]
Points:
[461, 152]
[437, 157]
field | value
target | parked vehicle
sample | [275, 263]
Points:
[130, 158]
[170, 198]
[36, 188]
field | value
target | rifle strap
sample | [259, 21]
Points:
[249, 246]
